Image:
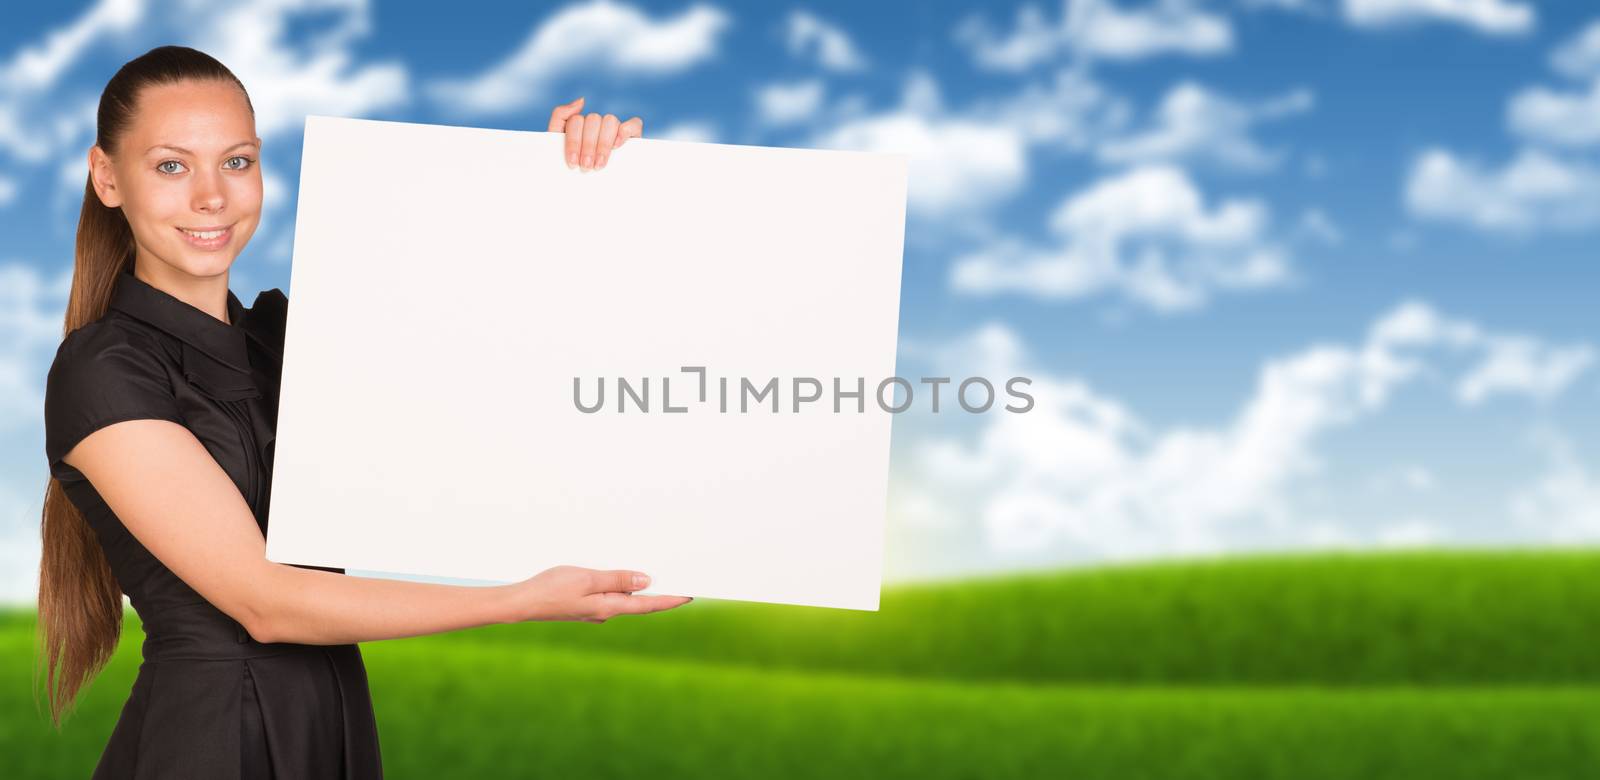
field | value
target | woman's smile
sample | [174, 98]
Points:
[208, 238]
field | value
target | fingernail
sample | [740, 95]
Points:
[588, 161]
[640, 580]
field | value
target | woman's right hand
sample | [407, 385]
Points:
[591, 138]
[590, 595]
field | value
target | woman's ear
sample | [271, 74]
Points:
[104, 177]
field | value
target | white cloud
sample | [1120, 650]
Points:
[785, 104]
[1403, 240]
[1035, 40]
[1070, 113]
[1100, 29]
[964, 160]
[32, 305]
[1563, 504]
[1557, 117]
[1523, 365]
[956, 163]
[1411, 532]
[15, 138]
[279, 249]
[39, 67]
[1417, 477]
[1096, 29]
[808, 35]
[1508, 363]
[1410, 478]
[697, 131]
[274, 189]
[31, 75]
[1493, 17]
[1579, 57]
[1316, 224]
[1315, 167]
[1195, 123]
[1536, 189]
[290, 78]
[1308, 7]
[31, 310]
[8, 191]
[599, 35]
[1550, 183]
[20, 545]
[1147, 234]
[1084, 476]
[277, 241]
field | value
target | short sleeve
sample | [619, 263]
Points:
[101, 376]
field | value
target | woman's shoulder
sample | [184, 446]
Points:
[270, 305]
[109, 370]
[110, 343]
[267, 317]
[113, 354]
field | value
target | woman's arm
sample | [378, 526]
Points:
[179, 503]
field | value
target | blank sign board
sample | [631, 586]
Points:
[496, 364]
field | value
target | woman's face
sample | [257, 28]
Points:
[186, 165]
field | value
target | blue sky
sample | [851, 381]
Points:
[1288, 273]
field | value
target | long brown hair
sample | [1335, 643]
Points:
[80, 601]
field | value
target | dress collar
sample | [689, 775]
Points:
[216, 355]
[221, 341]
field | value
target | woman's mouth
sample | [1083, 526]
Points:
[208, 237]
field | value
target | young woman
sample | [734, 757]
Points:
[160, 410]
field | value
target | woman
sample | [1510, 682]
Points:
[160, 409]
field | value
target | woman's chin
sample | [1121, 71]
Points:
[202, 264]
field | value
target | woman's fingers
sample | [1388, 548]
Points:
[618, 580]
[612, 604]
[612, 592]
[632, 128]
[559, 116]
[639, 605]
[574, 139]
[566, 118]
[607, 140]
[591, 136]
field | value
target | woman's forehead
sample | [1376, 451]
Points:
[198, 116]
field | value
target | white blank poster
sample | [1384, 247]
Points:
[451, 288]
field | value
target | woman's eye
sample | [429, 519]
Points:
[245, 163]
[163, 166]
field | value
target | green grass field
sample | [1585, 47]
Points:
[1402, 665]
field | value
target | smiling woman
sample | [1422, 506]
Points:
[160, 419]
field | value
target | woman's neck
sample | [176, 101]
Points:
[206, 293]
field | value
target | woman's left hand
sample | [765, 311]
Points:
[590, 138]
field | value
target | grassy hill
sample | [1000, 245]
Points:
[1421, 664]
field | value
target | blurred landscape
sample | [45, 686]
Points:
[1436, 664]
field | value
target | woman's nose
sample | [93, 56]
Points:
[208, 195]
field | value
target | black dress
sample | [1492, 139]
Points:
[209, 701]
